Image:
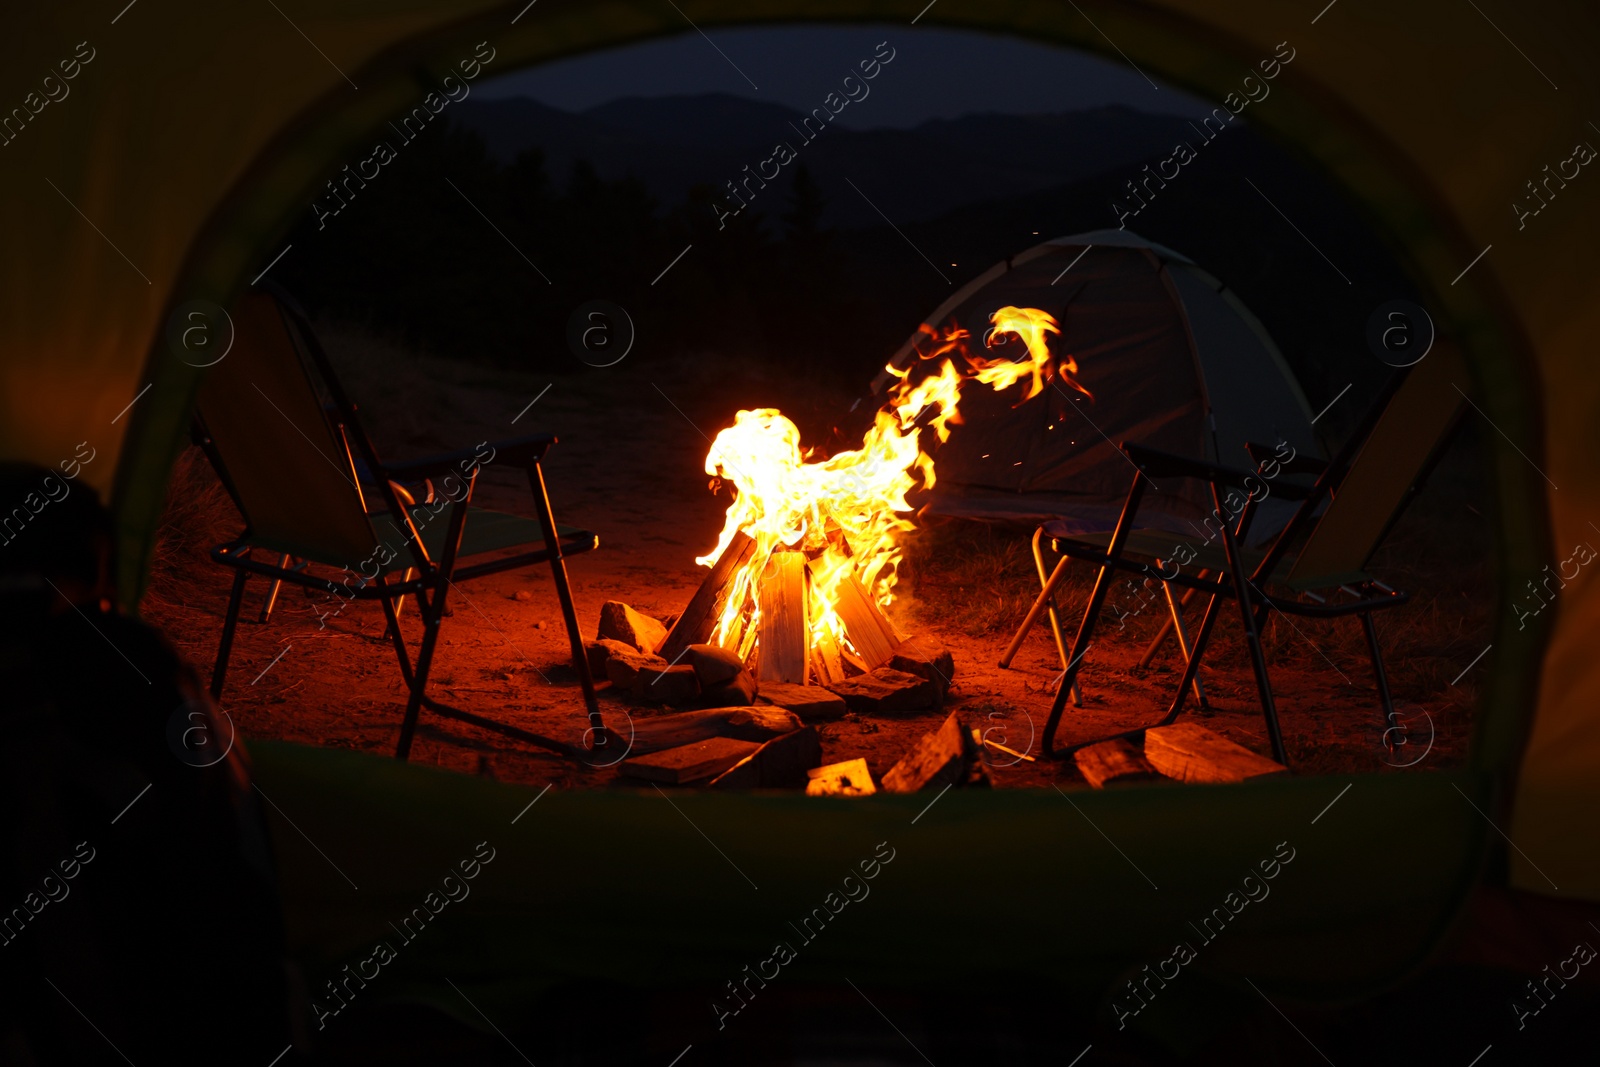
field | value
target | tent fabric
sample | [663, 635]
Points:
[1164, 350]
[621, 885]
[198, 131]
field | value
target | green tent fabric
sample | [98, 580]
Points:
[191, 135]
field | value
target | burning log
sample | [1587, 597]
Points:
[694, 626]
[785, 632]
[864, 624]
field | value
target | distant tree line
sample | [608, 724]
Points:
[409, 255]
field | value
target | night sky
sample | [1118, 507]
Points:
[935, 73]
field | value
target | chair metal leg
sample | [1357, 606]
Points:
[1166, 627]
[558, 571]
[1252, 637]
[272, 593]
[219, 672]
[1191, 669]
[1375, 651]
[1044, 602]
[1183, 639]
[419, 680]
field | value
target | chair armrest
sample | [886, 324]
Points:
[518, 452]
[1160, 464]
[1260, 454]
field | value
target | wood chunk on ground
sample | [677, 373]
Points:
[942, 757]
[927, 658]
[811, 702]
[738, 691]
[712, 664]
[623, 666]
[886, 690]
[1114, 762]
[1190, 753]
[848, 779]
[657, 732]
[676, 684]
[781, 763]
[619, 622]
[694, 762]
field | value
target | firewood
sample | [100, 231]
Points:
[781, 763]
[657, 732]
[864, 623]
[827, 666]
[942, 757]
[848, 779]
[1191, 753]
[1114, 763]
[886, 690]
[694, 626]
[811, 702]
[619, 622]
[688, 763]
[931, 660]
[785, 635]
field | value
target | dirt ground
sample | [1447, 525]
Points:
[633, 438]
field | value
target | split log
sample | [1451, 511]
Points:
[886, 690]
[688, 763]
[1190, 753]
[698, 619]
[864, 623]
[781, 763]
[1114, 763]
[811, 702]
[785, 635]
[943, 757]
[926, 657]
[758, 723]
[848, 779]
[827, 665]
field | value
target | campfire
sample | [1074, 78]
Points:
[793, 605]
[810, 553]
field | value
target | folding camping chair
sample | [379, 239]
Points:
[1365, 487]
[301, 470]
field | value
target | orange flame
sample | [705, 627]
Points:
[848, 512]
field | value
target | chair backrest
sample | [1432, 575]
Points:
[1393, 457]
[284, 462]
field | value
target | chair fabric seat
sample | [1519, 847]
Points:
[486, 530]
[1160, 545]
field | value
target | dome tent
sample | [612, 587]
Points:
[1163, 347]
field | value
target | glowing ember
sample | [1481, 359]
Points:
[847, 513]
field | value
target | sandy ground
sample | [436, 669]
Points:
[629, 466]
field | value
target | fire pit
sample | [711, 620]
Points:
[792, 609]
